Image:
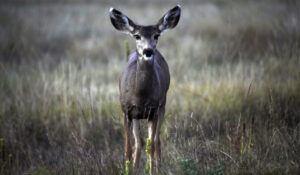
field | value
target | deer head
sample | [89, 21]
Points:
[146, 36]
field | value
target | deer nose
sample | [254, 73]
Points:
[148, 52]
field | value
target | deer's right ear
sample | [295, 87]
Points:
[121, 22]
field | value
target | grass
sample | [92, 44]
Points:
[233, 103]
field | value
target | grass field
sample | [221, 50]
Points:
[233, 105]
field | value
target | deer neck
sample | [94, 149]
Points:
[145, 74]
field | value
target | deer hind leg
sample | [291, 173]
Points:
[151, 131]
[142, 140]
[138, 144]
[157, 150]
[127, 125]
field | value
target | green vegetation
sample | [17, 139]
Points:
[233, 103]
[127, 165]
[148, 147]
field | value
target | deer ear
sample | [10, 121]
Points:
[121, 22]
[170, 19]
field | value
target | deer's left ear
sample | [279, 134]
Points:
[170, 19]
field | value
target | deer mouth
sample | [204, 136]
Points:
[148, 58]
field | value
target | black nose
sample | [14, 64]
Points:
[148, 52]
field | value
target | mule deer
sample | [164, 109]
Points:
[144, 82]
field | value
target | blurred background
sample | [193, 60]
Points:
[233, 105]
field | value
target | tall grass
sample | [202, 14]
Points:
[232, 108]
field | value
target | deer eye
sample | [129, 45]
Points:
[156, 36]
[137, 37]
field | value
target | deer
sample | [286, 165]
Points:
[144, 83]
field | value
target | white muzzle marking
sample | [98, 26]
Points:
[147, 58]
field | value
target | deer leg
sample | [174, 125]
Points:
[157, 152]
[151, 131]
[138, 144]
[127, 125]
[142, 141]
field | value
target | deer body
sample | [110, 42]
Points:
[143, 86]
[144, 82]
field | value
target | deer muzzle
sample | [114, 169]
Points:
[148, 54]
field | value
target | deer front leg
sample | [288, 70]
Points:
[151, 132]
[127, 125]
[138, 144]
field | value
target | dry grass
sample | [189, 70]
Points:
[233, 104]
